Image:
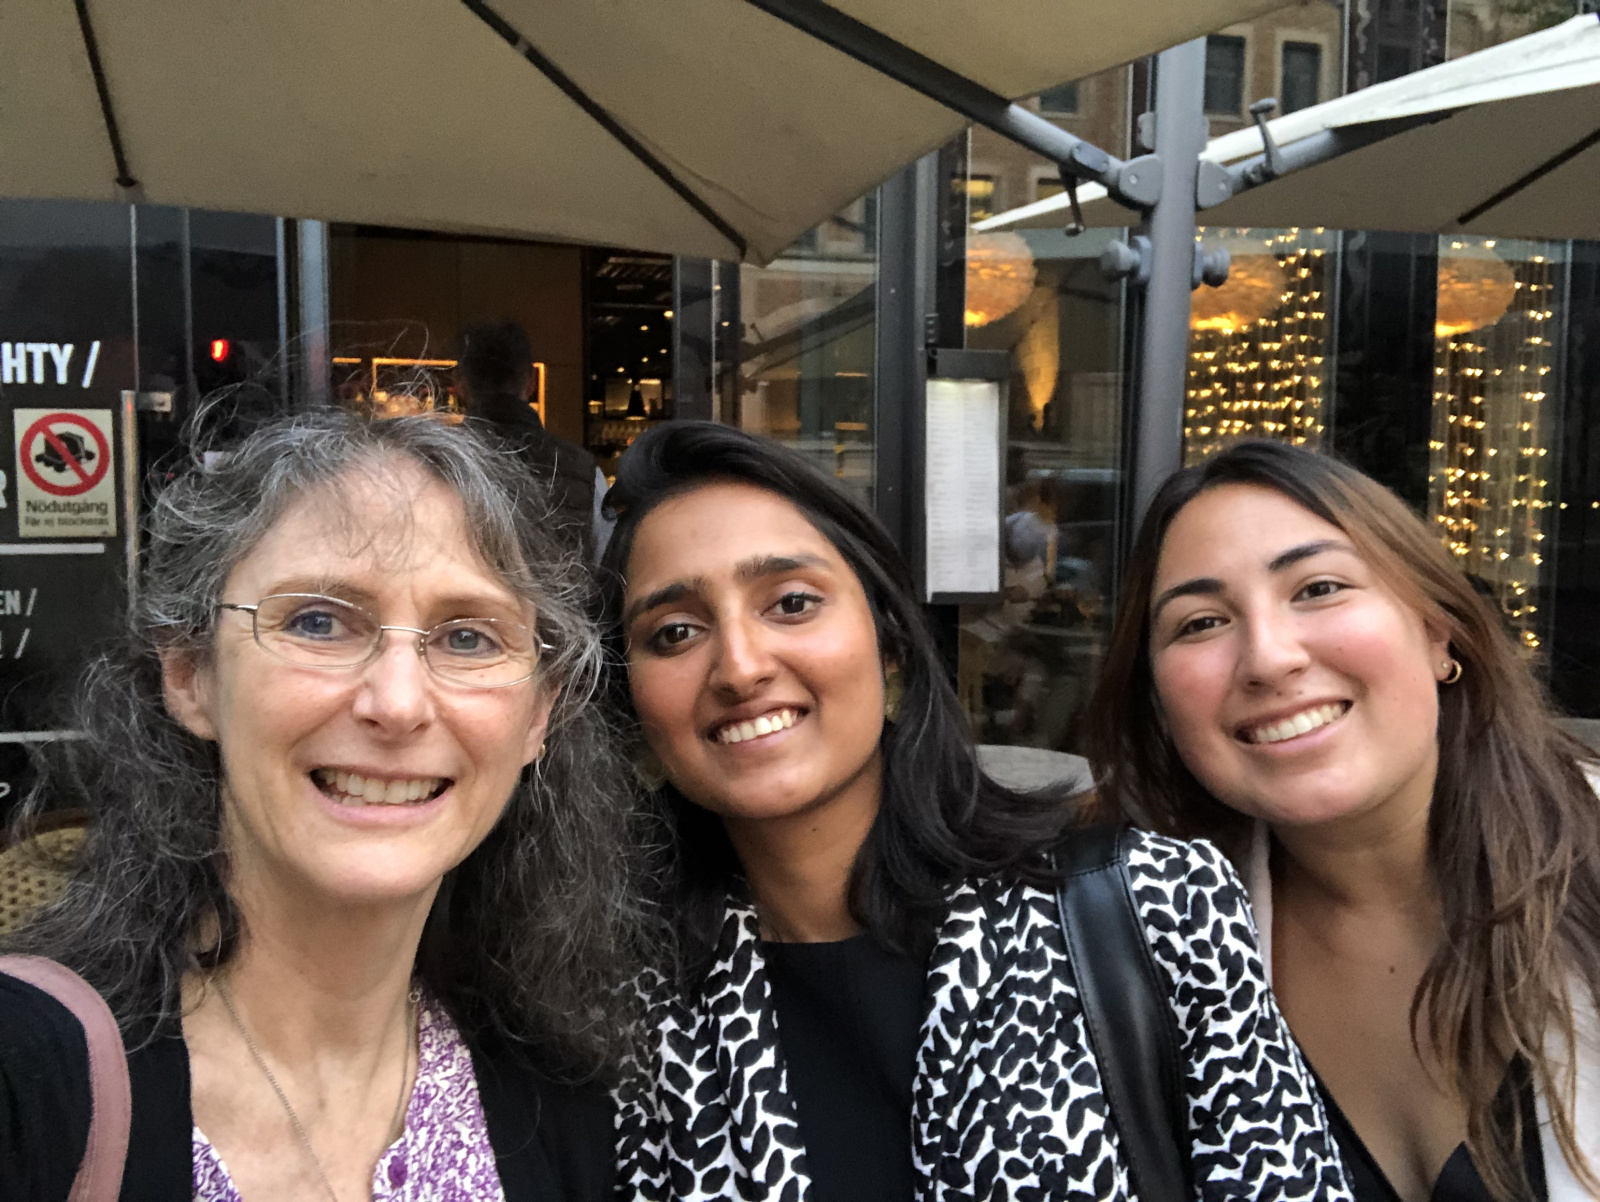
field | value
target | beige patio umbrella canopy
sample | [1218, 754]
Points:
[702, 127]
[1504, 142]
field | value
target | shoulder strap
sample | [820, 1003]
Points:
[111, 1108]
[1126, 1010]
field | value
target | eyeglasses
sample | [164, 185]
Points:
[313, 631]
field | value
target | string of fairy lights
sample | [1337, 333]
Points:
[1488, 458]
[1257, 362]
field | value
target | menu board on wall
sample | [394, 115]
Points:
[964, 432]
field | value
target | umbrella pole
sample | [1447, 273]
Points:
[1162, 356]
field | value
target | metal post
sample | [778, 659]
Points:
[186, 259]
[312, 242]
[282, 241]
[907, 254]
[1163, 356]
[691, 339]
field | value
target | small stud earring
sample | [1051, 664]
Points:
[540, 756]
[1452, 671]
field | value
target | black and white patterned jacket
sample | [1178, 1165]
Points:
[1007, 1102]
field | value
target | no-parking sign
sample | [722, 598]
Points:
[66, 482]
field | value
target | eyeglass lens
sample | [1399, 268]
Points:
[324, 632]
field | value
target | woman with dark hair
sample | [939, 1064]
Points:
[870, 997]
[1301, 673]
[356, 884]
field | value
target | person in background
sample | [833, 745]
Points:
[356, 884]
[1300, 672]
[871, 999]
[494, 381]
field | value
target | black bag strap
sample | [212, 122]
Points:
[1126, 1010]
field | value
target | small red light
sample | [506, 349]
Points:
[221, 348]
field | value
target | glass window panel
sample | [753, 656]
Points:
[1224, 89]
[1026, 666]
[1060, 99]
[1301, 82]
[1259, 353]
[1394, 61]
[1491, 470]
[806, 360]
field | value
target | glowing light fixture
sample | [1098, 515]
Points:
[1254, 289]
[1000, 276]
[1476, 288]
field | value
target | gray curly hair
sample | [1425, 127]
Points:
[534, 937]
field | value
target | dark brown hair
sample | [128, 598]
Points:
[1513, 831]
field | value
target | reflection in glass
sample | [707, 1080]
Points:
[806, 363]
[1027, 665]
[1259, 361]
[1494, 407]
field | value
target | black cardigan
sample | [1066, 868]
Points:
[552, 1142]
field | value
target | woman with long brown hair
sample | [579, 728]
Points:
[1301, 673]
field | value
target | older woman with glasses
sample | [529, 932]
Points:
[356, 887]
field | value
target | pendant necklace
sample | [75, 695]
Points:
[412, 1000]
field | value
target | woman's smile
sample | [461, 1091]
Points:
[1294, 726]
[760, 730]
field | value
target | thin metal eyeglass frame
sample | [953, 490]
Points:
[377, 643]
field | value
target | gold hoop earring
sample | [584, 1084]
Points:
[540, 756]
[1452, 671]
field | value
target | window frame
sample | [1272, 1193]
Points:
[1077, 100]
[1326, 78]
[1242, 36]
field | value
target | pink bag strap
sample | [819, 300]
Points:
[104, 1156]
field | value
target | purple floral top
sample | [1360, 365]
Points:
[443, 1155]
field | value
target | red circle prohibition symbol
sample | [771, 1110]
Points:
[87, 477]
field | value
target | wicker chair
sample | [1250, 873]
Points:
[34, 871]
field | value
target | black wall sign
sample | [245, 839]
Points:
[66, 355]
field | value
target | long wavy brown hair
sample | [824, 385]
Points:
[1513, 831]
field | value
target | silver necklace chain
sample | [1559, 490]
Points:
[294, 1119]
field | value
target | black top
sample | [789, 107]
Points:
[849, 1023]
[552, 1143]
[1458, 1180]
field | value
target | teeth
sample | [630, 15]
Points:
[351, 788]
[738, 732]
[1299, 724]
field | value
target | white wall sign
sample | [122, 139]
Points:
[66, 481]
[963, 486]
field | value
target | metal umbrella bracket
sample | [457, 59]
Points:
[1504, 142]
[715, 128]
